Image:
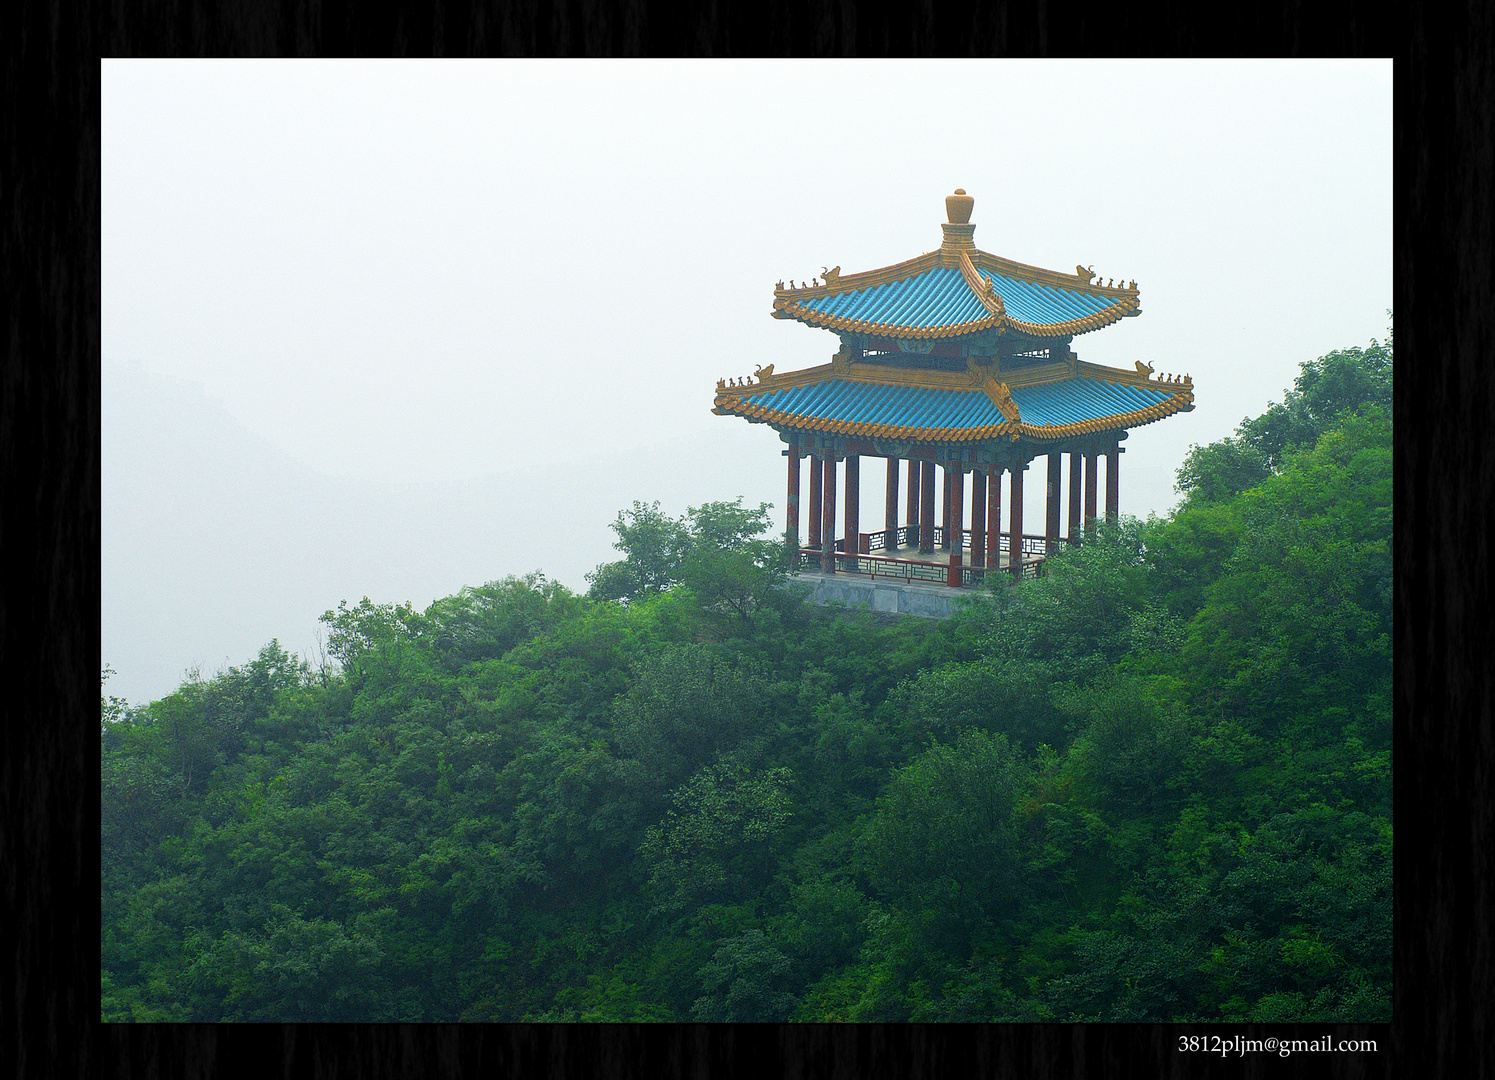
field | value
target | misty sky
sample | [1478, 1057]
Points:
[393, 328]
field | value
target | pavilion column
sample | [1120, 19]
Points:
[817, 502]
[926, 507]
[1015, 537]
[913, 504]
[957, 501]
[1051, 522]
[945, 511]
[978, 517]
[828, 516]
[1076, 485]
[994, 518]
[791, 525]
[890, 509]
[1092, 462]
[853, 543]
[1113, 482]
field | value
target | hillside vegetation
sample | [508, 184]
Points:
[1154, 785]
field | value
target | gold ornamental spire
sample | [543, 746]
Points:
[960, 234]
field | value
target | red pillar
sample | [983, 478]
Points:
[994, 518]
[913, 504]
[926, 507]
[816, 502]
[791, 526]
[1091, 466]
[890, 509]
[1051, 522]
[1113, 482]
[853, 544]
[957, 500]
[828, 516]
[978, 517]
[945, 511]
[1076, 485]
[1015, 537]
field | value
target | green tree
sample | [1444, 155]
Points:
[1326, 391]
[716, 843]
[296, 970]
[654, 545]
[744, 983]
[942, 839]
[1298, 626]
[683, 708]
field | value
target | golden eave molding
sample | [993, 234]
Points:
[1180, 388]
[971, 262]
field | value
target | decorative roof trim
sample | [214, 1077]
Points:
[1083, 325]
[1181, 385]
[1178, 402]
[863, 279]
[983, 287]
[1001, 397]
[1078, 281]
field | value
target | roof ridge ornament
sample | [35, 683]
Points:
[958, 207]
[1001, 396]
[984, 287]
[960, 234]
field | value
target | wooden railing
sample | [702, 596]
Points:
[908, 536]
[876, 566]
[909, 570]
[976, 575]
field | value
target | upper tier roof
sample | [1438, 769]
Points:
[958, 290]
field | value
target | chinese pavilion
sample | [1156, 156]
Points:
[959, 361]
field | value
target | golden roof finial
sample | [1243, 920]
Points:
[959, 232]
[958, 207]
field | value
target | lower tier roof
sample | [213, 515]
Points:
[1048, 410]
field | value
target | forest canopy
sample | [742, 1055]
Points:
[1152, 785]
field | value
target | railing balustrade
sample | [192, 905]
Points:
[909, 570]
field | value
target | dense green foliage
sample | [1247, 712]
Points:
[1153, 784]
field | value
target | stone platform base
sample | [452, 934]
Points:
[882, 595]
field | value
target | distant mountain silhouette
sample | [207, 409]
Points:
[214, 541]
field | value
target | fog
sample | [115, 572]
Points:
[393, 328]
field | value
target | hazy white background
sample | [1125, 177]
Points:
[393, 328]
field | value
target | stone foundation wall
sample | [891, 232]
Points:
[881, 595]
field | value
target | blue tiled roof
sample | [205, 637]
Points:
[925, 299]
[1033, 302]
[938, 297]
[918, 407]
[1076, 400]
[875, 403]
